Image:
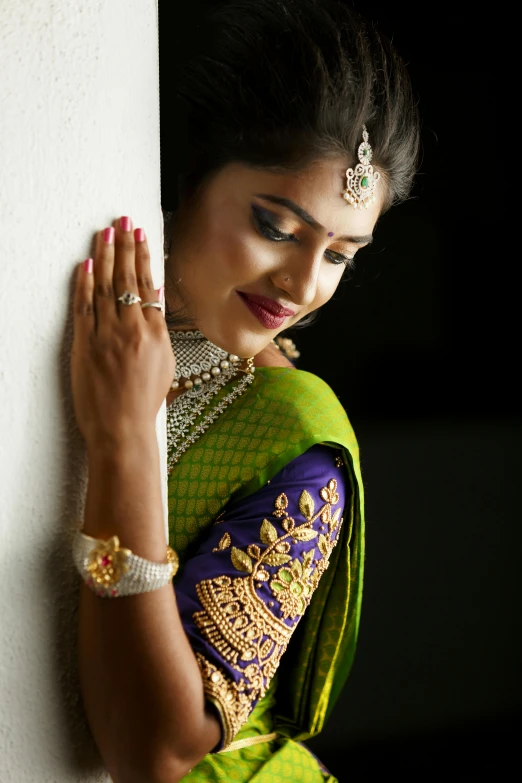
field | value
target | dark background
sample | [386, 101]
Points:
[421, 348]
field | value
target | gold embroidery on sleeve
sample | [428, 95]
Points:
[219, 517]
[230, 699]
[235, 619]
[224, 543]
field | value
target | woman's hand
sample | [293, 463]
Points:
[122, 364]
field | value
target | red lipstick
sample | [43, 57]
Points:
[268, 312]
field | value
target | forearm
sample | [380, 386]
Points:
[140, 681]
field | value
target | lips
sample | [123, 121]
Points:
[268, 312]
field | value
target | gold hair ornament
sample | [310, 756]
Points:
[360, 184]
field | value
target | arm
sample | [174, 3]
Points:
[140, 680]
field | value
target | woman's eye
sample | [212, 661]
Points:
[271, 232]
[267, 229]
[338, 258]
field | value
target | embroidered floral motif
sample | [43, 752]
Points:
[236, 620]
[292, 586]
[223, 544]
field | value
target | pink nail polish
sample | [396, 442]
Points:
[139, 235]
[161, 294]
[108, 235]
[87, 265]
[125, 223]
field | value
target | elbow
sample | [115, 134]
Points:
[161, 754]
[164, 768]
[168, 769]
[160, 765]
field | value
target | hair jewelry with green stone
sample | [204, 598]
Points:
[360, 184]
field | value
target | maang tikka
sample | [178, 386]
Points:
[360, 184]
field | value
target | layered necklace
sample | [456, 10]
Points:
[202, 369]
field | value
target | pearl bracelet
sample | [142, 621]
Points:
[112, 571]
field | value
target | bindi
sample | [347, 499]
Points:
[330, 233]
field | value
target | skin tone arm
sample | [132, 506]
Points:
[141, 684]
[140, 681]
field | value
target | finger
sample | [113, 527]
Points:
[104, 302]
[124, 274]
[144, 276]
[83, 302]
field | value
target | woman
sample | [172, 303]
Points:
[299, 132]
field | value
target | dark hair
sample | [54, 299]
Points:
[280, 84]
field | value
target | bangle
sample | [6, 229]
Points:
[112, 571]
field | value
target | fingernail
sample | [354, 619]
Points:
[108, 235]
[125, 223]
[161, 294]
[87, 265]
[139, 235]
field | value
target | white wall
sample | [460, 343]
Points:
[79, 146]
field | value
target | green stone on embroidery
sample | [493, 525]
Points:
[364, 182]
[366, 152]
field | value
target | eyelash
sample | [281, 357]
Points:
[271, 232]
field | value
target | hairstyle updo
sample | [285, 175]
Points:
[278, 85]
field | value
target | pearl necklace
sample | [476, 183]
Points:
[195, 355]
[212, 367]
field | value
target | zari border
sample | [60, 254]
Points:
[247, 742]
[229, 699]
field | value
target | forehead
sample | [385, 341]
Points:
[317, 188]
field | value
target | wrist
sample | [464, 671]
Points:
[140, 444]
[124, 496]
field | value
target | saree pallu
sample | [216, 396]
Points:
[284, 413]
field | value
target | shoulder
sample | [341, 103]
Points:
[298, 396]
[312, 471]
[286, 382]
[284, 413]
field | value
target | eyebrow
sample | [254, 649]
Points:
[301, 213]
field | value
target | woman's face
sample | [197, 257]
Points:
[251, 267]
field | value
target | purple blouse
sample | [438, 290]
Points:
[243, 593]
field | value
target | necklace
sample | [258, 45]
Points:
[213, 368]
[195, 355]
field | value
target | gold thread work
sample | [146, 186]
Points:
[249, 635]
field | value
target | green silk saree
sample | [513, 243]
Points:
[282, 414]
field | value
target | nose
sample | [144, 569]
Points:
[298, 277]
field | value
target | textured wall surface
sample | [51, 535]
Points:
[79, 146]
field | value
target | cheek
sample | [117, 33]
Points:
[215, 255]
[234, 257]
[327, 285]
